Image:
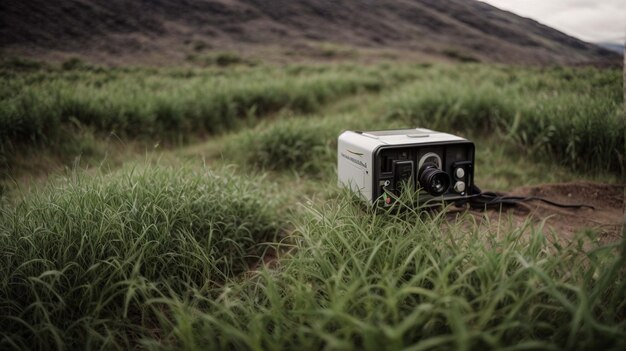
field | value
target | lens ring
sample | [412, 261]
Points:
[429, 158]
[435, 181]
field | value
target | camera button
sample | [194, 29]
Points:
[459, 187]
[460, 173]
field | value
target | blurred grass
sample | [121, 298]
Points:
[306, 146]
[573, 117]
[529, 125]
[44, 107]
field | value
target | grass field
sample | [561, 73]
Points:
[216, 242]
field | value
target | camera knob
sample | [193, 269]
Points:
[460, 173]
[459, 187]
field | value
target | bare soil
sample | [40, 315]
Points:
[605, 220]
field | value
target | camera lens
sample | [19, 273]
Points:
[435, 181]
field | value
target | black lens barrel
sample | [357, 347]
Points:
[435, 181]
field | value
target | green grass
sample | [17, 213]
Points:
[153, 257]
[167, 256]
[305, 146]
[81, 259]
[523, 122]
[367, 281]
[46, 107]
[572, 117]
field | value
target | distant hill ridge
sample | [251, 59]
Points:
[171, 29]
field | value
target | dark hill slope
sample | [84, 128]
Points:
[171, 29]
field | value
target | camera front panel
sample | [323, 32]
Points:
[443, 171]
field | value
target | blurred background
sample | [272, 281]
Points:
[163, 32]
[89, 82]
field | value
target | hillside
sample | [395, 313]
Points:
[166, 31]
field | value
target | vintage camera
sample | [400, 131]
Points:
[381, 165]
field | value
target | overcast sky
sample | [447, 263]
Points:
[590, 20]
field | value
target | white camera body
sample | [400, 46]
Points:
[380, 165]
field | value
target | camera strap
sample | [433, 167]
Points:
[489, 199]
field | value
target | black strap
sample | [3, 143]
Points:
[485, 199]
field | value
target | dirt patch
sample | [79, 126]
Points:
[605, 220]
